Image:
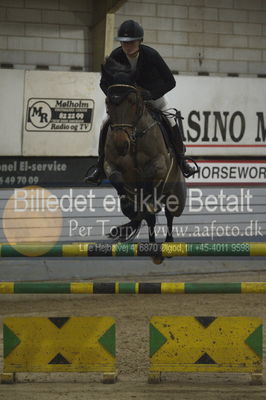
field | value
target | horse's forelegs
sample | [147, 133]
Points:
[130, 230]
[151, 220]
[170, 218]
[117, 181]
[125, 232]
[153, 173]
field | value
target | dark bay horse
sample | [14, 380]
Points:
[138, 161]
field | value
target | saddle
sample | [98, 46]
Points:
[163, 121]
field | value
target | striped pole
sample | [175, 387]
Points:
[134, 249]
[130, 288]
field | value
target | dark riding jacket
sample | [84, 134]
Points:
[152, 73]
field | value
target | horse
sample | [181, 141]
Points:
[139, 162]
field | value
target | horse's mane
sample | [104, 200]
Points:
[115, 72]
[112, 66]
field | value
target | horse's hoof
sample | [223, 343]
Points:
[169, 239]
[157, 260]
[113, 234]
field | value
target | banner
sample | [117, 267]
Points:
[230, 172]
[56, 113]
[222, 116]
[63, 113]
[70, 172]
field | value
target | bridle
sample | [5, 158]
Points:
[130, 128]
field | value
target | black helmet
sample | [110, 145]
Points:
[129, 30]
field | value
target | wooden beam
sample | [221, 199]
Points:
[103, 30]
[105, 7]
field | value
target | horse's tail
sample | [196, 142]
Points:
[126, 232]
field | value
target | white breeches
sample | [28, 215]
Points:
[162, 104]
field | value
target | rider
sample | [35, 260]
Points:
[154, 76]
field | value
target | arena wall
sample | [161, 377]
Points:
[204, 36]
[59, 113]
[194, 36]
[48, 34]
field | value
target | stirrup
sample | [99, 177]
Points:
[193, 170]
[94, 177]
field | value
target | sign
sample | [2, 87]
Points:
[59, 115]
[44, 171]
[206, 344]
[70, 172]
[230, 172]
[71, 344]
[222, 115]
[63, 114]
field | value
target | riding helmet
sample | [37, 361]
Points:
[130, 30]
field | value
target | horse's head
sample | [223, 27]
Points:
[124, 104]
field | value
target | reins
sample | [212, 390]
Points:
[122, 85]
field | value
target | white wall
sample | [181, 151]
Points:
[214, 36]
[11, 112]
[54, 33]
[41, 114]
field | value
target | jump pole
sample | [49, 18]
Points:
[131, 288]
[175, 249]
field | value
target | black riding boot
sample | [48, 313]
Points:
[178, 145]
[97, 175]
